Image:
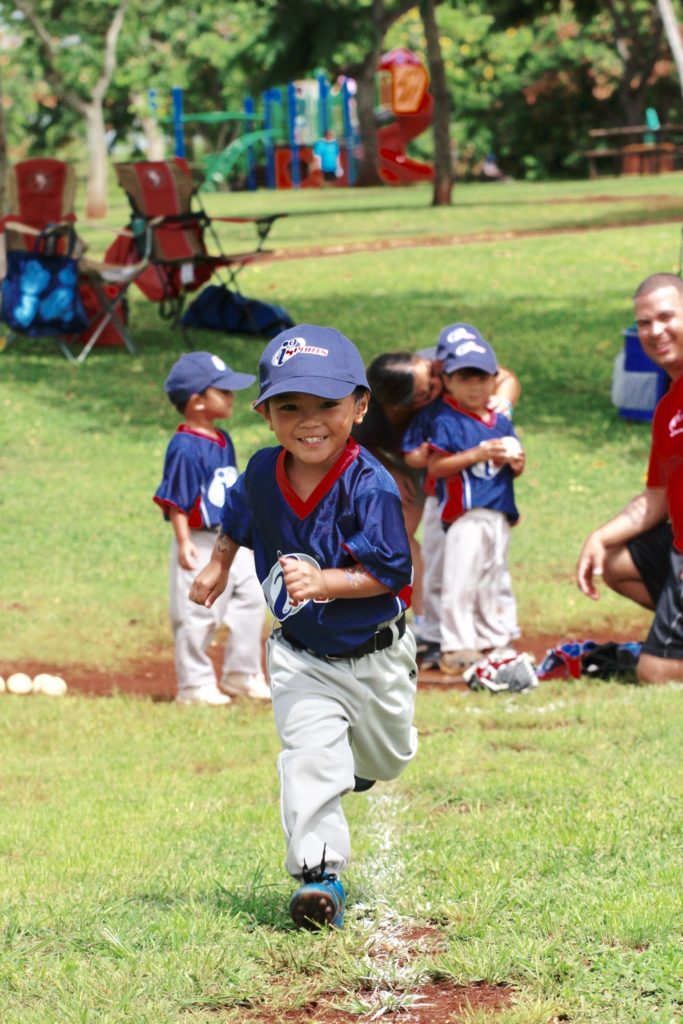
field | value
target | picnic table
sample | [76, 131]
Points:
[637, 149]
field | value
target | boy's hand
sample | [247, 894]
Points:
[187, 554]
[495, 450]
[209, 584]
[304, 581]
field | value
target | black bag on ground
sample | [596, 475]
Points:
[216, 308]
[611, 660]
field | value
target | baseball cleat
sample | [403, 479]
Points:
[316, 904]
[454, 663]
[240, 684]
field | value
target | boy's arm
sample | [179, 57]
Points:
[213, 579]
[187, 552]
[418, 458]
[307, 582]
[443, 464]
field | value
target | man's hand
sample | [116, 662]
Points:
[304, 581]
[590, 564]
[209, 584]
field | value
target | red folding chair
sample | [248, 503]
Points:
[164, 201]
[41, 220]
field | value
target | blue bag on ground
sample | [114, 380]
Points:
[216, 308]
[40, 294]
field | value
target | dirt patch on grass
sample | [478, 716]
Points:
[154, 676]
[438, 1002]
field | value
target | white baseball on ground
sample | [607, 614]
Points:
[19, 683]
[51, 686]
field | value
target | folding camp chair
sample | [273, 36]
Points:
[164, 199]
[41, 224]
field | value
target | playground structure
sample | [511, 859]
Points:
[274, 147]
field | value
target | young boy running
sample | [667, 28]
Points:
[324, 520]
[475, 458]
[199, 469]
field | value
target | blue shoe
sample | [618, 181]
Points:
[315, 904]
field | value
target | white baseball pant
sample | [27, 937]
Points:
[336, 719]
[475, 558]
[241, 607]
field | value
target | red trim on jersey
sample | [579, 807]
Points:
[489, 420]
[194, 516]
[218, 437]
[304, 508]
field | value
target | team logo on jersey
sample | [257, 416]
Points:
[275, 590]
[296, 347]
[485, 470]
[676, 424]
[223, 478]
[460, 334]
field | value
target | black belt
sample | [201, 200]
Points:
[379, 641]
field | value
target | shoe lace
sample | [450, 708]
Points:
[317, 874]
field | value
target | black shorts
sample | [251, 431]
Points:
[660, 567]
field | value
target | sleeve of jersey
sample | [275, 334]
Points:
[382, 545]
[235, 517]
[181, 483]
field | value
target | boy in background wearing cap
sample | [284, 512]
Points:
[416, 452]
[199, 470]
[324, 519]
[475, 455]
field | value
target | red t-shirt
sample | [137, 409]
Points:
[665, 468]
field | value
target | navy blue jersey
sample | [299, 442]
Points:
[483, 485]
[420, 427]
[198, 471]
[353, 516]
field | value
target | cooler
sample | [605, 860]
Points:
[637, 382]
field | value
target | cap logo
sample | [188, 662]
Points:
[218, 363]
[296, 347]
[459, 334]
[469, 346]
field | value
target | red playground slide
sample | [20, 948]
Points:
[395, 167]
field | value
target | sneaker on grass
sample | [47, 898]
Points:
[239, 684]
[316, 904]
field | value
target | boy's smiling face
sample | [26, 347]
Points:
[314, 430]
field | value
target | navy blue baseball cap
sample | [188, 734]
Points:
[313, 360]
[194, 372]
[461, 347]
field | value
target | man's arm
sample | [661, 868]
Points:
[644, 511]
[213, 579]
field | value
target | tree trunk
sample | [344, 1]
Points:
[443, 168]
[368, 172]
[96, 190]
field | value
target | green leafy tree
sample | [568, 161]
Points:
[77, 45]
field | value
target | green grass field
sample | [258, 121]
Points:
[535, 842]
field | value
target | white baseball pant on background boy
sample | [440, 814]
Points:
[241, 607]
[475, 558]
[336, 718]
